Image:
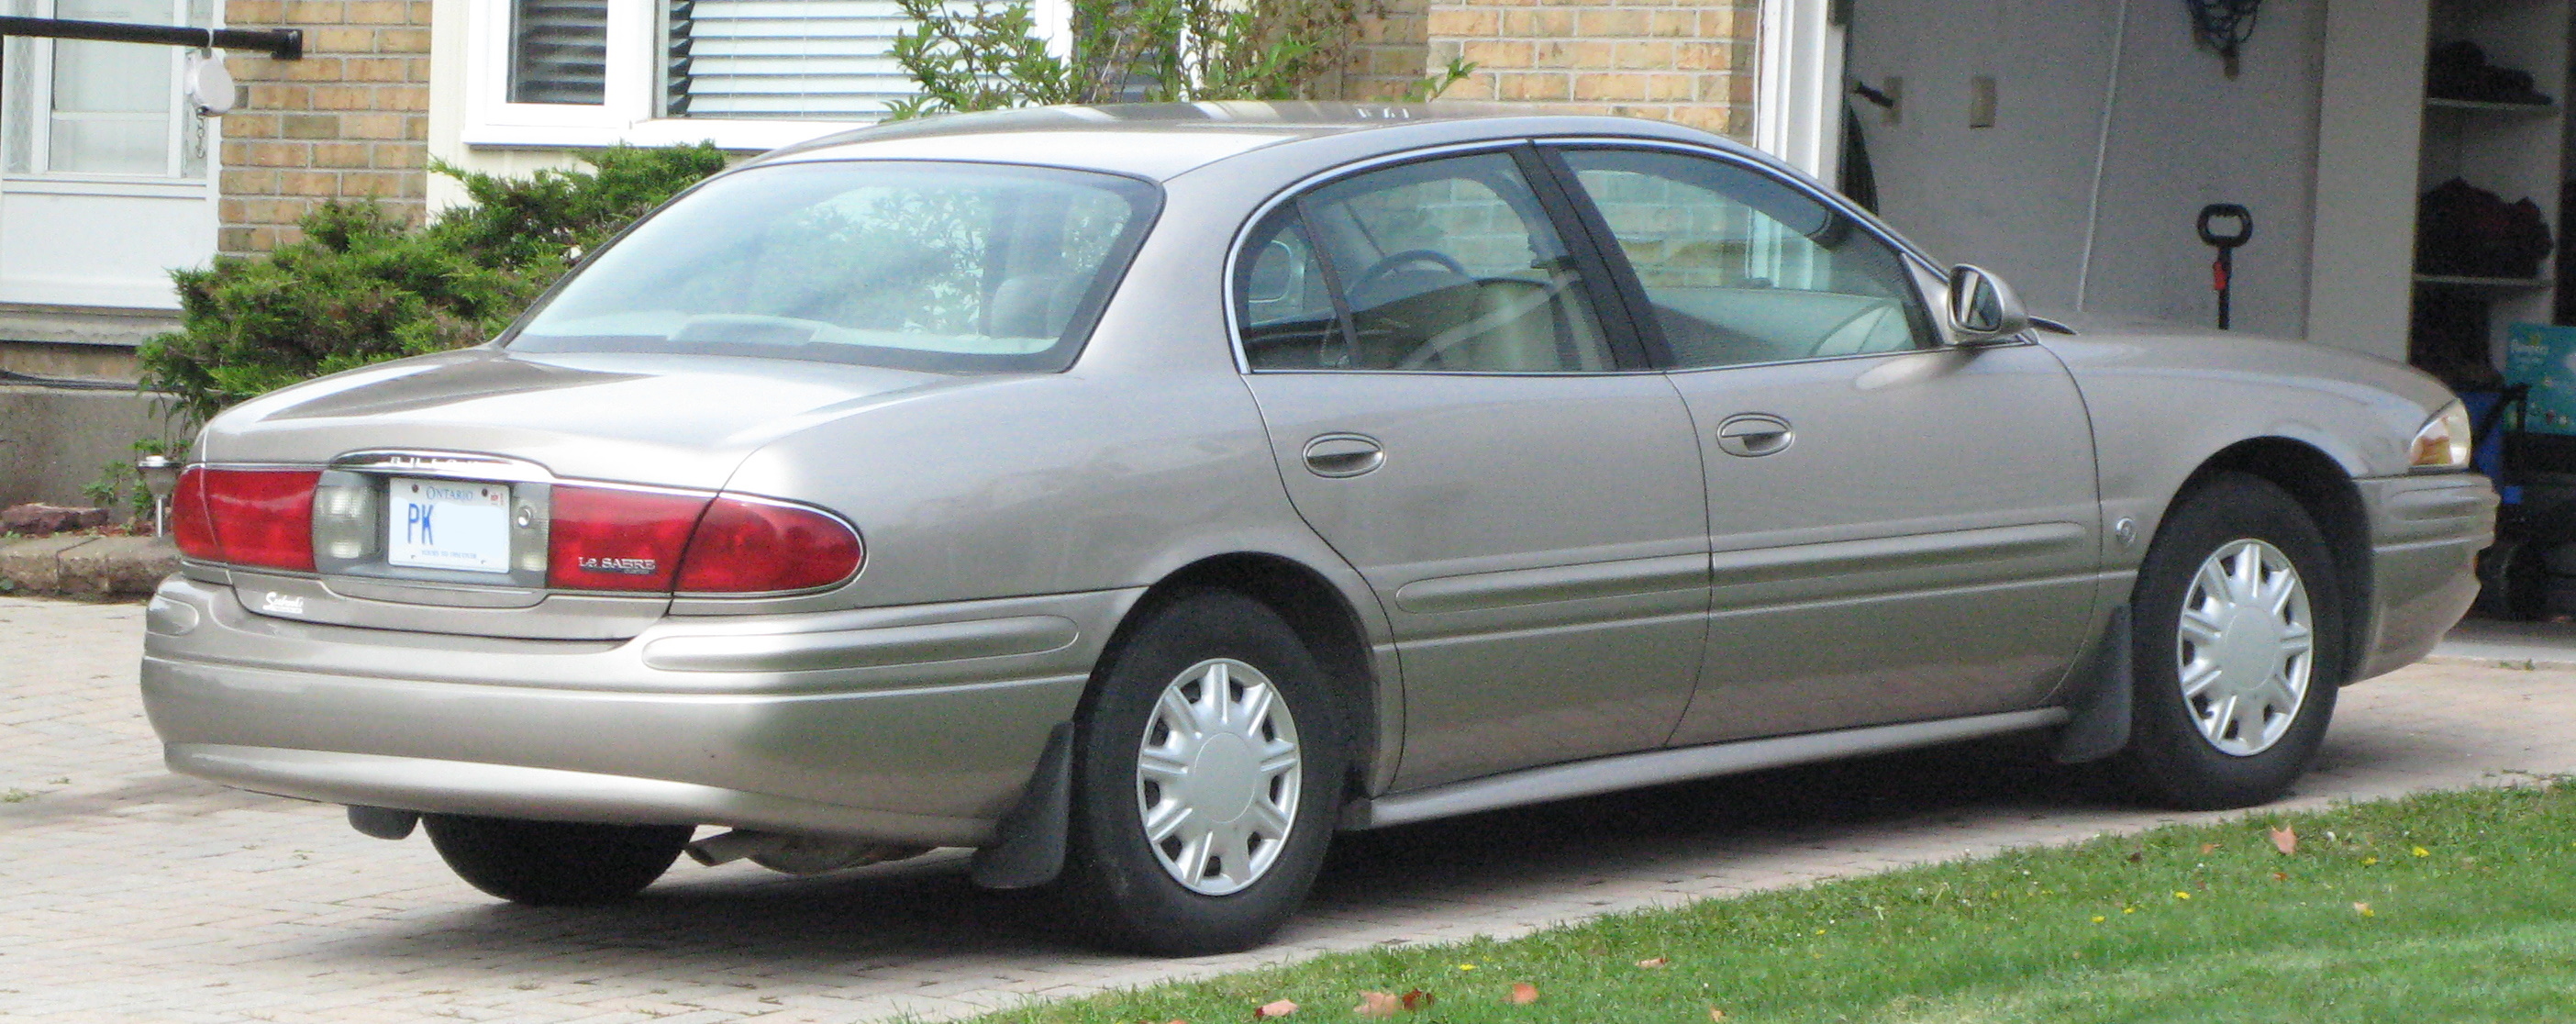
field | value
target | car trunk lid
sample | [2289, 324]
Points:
[489, 427]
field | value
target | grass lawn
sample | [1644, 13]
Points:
[2443, 907]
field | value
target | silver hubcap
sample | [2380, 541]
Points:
[1217, 775]
[2244, 646]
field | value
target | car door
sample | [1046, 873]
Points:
[1454, 414]
[1901, 528]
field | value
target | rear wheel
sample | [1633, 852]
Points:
[555, 863]
[2238, 631]
[1208, 775]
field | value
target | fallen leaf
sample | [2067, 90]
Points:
[2280, 876]
[2138, 856]
[1379, 1004]
[1651, 963]
[1523, 993]
[1716, 1014]
[2097, 919]
[1417, 999]
[2286, 840]
[1266, 1011]
[2206, 847]
[2368, 861]
[2363, 909]
[2181, 895]
[2422, 852]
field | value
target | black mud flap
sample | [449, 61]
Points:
[2103, 688]
[1028, 843]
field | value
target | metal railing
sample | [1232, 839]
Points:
[283, 44]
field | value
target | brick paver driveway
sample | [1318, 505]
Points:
[133, 894]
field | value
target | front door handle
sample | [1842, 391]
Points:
[1753, 435]
[1343, 455]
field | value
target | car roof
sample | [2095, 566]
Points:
[1160, 141]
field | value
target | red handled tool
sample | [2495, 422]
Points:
[2222, 271]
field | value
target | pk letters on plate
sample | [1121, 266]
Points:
[448, 524]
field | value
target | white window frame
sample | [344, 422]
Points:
[38, 109]
[1798, 87]
[632, 112]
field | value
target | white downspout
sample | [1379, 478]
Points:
[1798, 86]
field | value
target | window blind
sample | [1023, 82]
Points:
[789, 59]
[559, 51]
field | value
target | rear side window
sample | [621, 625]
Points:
[956, 268]
[1443, 265]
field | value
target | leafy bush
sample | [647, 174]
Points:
[363, 287]
[970, 55]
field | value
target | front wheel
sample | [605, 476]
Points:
[1208, 771]
[2237, 648]
[555, 863]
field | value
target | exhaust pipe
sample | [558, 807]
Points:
[795, 855]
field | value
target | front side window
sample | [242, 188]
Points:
[1741, 268]
[954, 268]
[1447, 264]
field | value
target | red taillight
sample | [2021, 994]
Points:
[746, 547]
[254, 517]
[604, 539]
[188, 524]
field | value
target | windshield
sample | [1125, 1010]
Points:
[952, 268]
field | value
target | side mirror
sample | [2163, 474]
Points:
[1983, 307]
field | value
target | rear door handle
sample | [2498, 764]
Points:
[1343, 455]
[1753, 435]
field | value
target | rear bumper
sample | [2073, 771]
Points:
[914, 725]
[2425, 532]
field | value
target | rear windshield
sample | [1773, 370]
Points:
[951, 268]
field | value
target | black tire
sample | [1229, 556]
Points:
[555, 863]
[2169, 760]
[1114, 881]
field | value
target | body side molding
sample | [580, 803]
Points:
[1656, 767]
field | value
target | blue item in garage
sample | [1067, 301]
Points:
[2544, 357]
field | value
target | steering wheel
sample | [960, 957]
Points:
[1392, 261]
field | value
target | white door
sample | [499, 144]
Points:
[105, 177]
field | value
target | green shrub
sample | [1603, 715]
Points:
[363, 287]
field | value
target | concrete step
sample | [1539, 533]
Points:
[86, 566]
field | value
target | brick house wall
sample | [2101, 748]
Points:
[1677, 61]
[1391, 54]
[349, 121]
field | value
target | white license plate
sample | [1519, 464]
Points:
[447, 524]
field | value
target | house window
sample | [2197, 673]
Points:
[81, 109]
[559, 51]
[749, 74]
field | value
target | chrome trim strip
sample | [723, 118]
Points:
[511, 791]
[1759, 565]
[447, 465]
[445, 595]
[1513, 587]
[864, 648]
[1656, 767]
